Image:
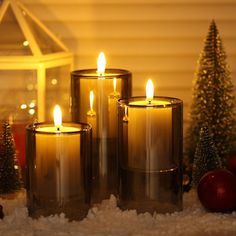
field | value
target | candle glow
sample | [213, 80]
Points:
[57, 164]
[91, 112]
[126, 118]
[57, 117]
[149, 91]
[101, 63]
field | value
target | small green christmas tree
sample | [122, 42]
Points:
[9, 171]
[213, 102]
[206, 157]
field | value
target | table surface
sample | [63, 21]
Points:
[108, 219]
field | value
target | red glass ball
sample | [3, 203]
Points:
[217, 191]
[231, 165]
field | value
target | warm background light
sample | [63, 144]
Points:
[26, 43]
[158, 39]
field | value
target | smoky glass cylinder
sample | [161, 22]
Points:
[58, 170]
[150, 154]
[103, 115]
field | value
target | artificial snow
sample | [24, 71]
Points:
[107, 219]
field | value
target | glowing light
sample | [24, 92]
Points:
[57, 116]
[101, 63]
[25, 43]
[91, 112]
[54, 81]
[31, 111]
[32, 104]
[149, 90]
[126, 118]
[23, 106]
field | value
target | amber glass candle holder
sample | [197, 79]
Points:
[150, 154]
[94, 100]
[58, 169]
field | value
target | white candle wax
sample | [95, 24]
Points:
[149, 135]
[57, 162]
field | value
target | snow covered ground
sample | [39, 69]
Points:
[108, 219]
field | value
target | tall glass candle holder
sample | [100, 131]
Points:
[58, 169]
[94, 100]
[150, 154]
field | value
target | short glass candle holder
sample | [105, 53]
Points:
[150, 154]
[94, 101]
[58, 164]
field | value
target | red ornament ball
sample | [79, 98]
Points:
[231, 164]
[217, 190]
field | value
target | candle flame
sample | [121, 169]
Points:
[57, 116]
[126, 111]
[114, 85]
[101, 63]
[125, 118]
[91, 98]
[91, 112]
[149, 90]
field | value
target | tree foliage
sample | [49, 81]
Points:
[213, 103]
[9, 171]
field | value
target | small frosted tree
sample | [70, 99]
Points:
[9, 171]
[206, 157]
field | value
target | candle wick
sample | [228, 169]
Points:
[58, 128]
[150, 102]
[101, 75]
[91, 112]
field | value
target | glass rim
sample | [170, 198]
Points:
[84, 73]
[172, 102]
[83, 127]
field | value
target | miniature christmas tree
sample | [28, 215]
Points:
[206, 157]
[9, 171]
[213, 102]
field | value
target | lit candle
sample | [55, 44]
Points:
[57, 159]
[144, 121]
[150, 153]
[58, 168]
[91, 115]
[106, 91]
